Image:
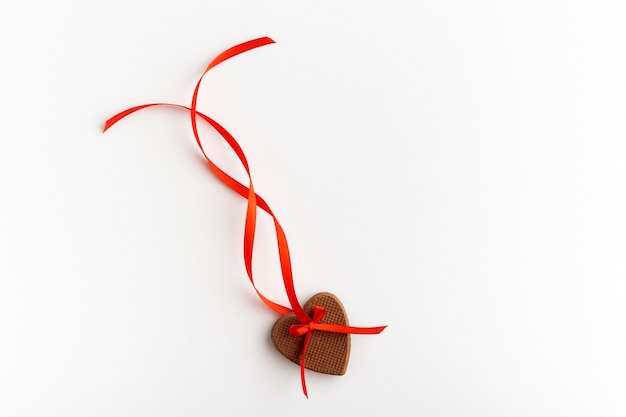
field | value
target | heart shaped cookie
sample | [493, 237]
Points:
[326, 352]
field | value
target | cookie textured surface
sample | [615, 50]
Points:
[326, 352]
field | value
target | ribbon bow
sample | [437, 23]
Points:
[299, 329]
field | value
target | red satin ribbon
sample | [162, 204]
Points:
[307, 324]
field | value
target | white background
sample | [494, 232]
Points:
[453, 169]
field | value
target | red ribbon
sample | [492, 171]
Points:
[306, 325]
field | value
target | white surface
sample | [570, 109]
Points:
[453, 169]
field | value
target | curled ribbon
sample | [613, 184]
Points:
[307, 325]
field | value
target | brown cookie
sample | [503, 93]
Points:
[326, 352]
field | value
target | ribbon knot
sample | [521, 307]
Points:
[300, 329]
